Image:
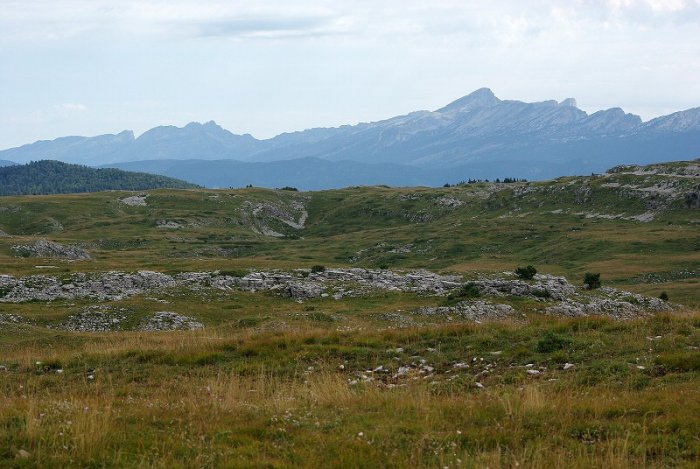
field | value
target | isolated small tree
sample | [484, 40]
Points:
[663, 296]
[526, 273]
[591, 280]
[463, 293]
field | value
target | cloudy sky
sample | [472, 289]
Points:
[87, 67]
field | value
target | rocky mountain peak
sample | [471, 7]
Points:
[481, 98]
[677, 122]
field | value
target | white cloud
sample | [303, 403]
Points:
[71, 107]
[268, 66]
[505, 21]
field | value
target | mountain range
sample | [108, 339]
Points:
[477, 136]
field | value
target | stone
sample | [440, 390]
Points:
[542, 288]
[98, 318]
[559, 297]
[303, 290]
[135, 200]
[46, 248]
[478, 310]
[169, 321]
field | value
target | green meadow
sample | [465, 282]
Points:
[360, 381]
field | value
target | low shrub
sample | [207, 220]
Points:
[550, 342]
[526, 273]
[591, 280]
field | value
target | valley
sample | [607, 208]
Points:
[364, 326]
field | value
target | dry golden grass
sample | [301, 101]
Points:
[224, 398]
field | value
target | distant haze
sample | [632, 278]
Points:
[475, 136]
[91, 67]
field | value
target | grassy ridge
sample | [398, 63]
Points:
[558, 226]
[54, 177]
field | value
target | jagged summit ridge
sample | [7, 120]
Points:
[470, 133]
[569, 102]
[481, 98]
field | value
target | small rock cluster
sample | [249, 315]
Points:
[135, 200]
[11, 319]
[46, 248]
[473, 310]
[544, 287]
[98, 318]
[262, 215]
[104, 318]
[169, 321]
[615, 303]
[104, 286]
[168, 225]
[449, 202]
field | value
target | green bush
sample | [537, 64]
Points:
[663, 296]
[550, 342]
[680, 361]
[591, 280]
[317, 269]
[526, 273]
[465, 292]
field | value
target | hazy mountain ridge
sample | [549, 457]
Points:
[477, 129]
[318, 174]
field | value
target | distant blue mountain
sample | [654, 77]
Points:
[6, 163]
[318, 174]
[475, 136]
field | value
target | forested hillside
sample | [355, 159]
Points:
[54, 177]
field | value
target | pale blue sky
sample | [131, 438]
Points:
[87, 67]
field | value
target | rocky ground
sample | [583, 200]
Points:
[108, 318]
[169, 321]
[135, 201]
[486, 300]
[6, 319]
[477, 310]
[270, 218]
[46, 248]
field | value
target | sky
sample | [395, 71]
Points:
[90, 67]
